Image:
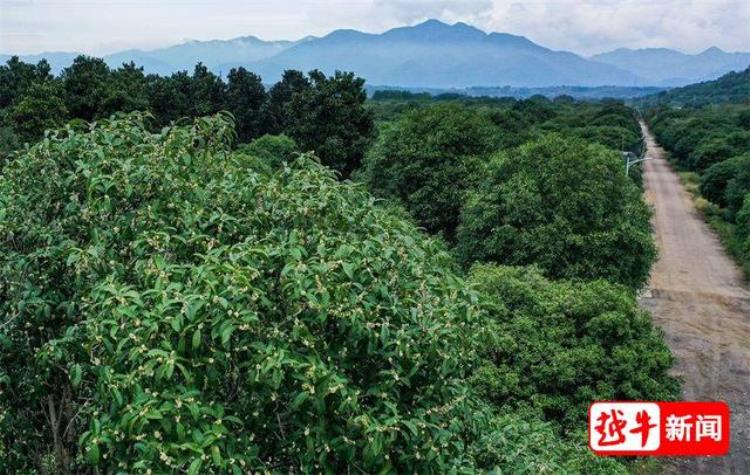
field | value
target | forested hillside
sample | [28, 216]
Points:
[713, 144]
[312, 282]
[732, 88]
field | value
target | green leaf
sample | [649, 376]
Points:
[94, 454]
[349, 270]
[226, 334]
[195, 466]
[216, 455]
[196, 339]
[75, 375]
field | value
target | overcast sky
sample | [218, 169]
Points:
[583, 26]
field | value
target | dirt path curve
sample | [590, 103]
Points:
[698, 298]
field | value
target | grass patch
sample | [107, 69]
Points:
[691, 181]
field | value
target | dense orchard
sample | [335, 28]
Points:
[170, 305]
[182, 292]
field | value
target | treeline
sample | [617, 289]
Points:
[609, 122]
[714, 142]
[320, 113]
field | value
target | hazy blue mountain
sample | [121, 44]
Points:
[432, 55]
[668, 67]
[214, 54]
[435, 54]
[57, 60]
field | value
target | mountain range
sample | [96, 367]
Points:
[666, 67]
[431, 54]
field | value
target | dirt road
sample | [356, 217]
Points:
[698, 298]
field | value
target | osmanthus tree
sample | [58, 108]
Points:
[170, 97]
[245, 98]
[564, 205]
[207, 92]
[16, 77]
[426, 160]
[86, 87]
[725, 183]
[555, 346]
[270, 151]
[127, 91]
[41, 108]
[330, 118]
[167, 308]
[277, 109]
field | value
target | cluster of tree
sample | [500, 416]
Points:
[715, 143]
[526, 182]
[699, 138]
[171, 304]
[173, 301]
[608, 121]
[320, 113]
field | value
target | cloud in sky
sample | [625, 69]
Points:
[583, 26]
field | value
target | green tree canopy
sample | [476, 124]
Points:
[716, 179]
[271, 150]
[181, 312]
[245, 99]
[280, 98]
[41, 108]
[558, 345]
[330, 118]
[86, 86]
[207, 92]
[170, 98]
[426, 159]
[16, 77]
[563, 204]
[127, 90]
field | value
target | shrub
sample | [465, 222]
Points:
[563, 204]
[710, 151]
[559, 345]
[743, 234]
[716, 178]
[172, 309]
[739, 186]
[522, 445]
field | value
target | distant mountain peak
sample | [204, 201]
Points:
[712, 51]
[431, 30]
[432, 22]
[247, 39]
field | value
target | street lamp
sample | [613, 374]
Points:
[628, 161]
